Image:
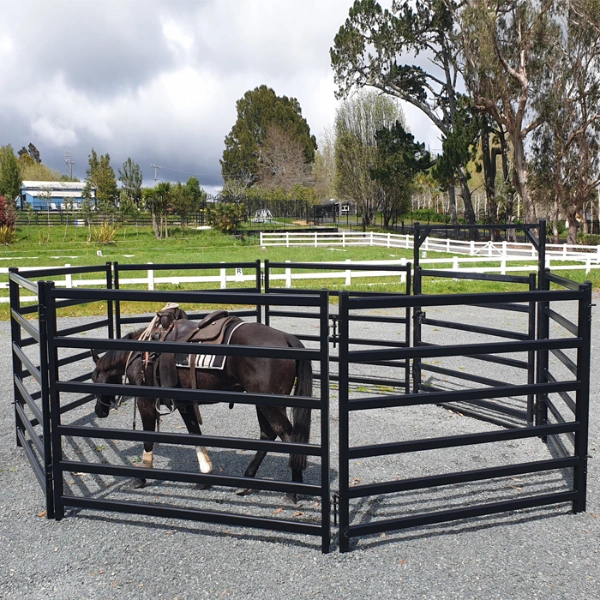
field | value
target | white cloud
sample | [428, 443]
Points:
[157, 80]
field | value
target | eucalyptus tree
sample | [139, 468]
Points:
[408, 52]
[508, 52]
[566, 147]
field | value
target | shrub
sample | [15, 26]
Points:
[7, 213]
[105, 234]
[8, 235]
[226, 216]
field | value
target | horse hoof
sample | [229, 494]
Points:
[138, 484]
[243, 491]
[203, 486]
[293, 498]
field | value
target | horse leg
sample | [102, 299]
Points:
[148, 415]
[266, 433]
[191, 417]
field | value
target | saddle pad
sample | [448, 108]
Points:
[207, 361]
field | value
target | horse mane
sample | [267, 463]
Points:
[114, 358]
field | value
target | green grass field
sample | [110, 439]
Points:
[58, 246]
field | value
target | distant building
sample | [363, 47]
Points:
[63, 195]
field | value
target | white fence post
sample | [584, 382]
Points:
[150, 278]
[504, 251]
[403, 274]
[389, 239]
[371, 238]
[223, 277]
[287, 239]
[262, 243]
[472, 248]
[348, 274]
[588, 265]
[288, 276]
[316, 240]
[68, 279]
[343, 239]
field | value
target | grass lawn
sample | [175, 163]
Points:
[38, 246]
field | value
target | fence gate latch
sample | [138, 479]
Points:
[334, 504]
[334, 337]
[419, 316]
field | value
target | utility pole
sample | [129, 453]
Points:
[156, 168]
[67, 161]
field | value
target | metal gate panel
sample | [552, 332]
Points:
[354, 451]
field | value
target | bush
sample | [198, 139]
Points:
[226, 216]
[7, 213]
[8, 235]
[587, 239]
[105, 234]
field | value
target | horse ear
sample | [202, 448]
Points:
[95, 356]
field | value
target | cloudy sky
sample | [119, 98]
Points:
[157, 80]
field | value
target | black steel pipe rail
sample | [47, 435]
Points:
[500, 360]
[28, 399]
[461, 395]
[463, 376]
[153, 510]
[456, 441]
[191, 439]
[271, 485]
[31, 368]
[430, 351]
[416, 483]
[459, 513]
[563, 321]
[476, 276]
[491, 331]
[28, 326]
[188, 395]
[37, 468]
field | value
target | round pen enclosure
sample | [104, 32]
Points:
[424, 408]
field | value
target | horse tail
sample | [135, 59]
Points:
[301, 417]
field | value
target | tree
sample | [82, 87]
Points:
[257, 110]
[507, 49]
[282, 161]
[186, 199]
[10, 179]
[357, 121]
[131, 181]
[370, 50]
[158, 202]
[101, 176]
[399, 159]
[566, 148]
[31, 153]
[324, 166]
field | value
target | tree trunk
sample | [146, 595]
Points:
[466, 196]
[521, 182]
[155, 226]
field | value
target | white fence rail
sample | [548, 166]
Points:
[450, 246]
[348, 270]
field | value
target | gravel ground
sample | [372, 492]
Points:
[537, 553]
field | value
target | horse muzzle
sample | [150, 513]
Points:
[103, 406]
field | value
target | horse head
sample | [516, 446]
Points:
[105, 372]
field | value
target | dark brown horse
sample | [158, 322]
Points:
[240, 373]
